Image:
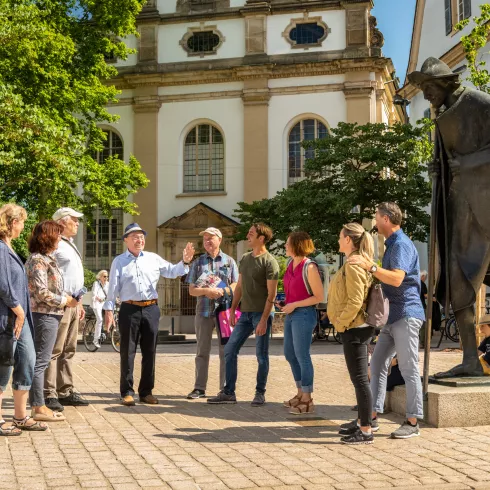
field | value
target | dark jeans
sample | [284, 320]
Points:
[45, 334]
[138, 324]
[355, 342]
[242, 331]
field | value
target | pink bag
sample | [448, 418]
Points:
[223, 309]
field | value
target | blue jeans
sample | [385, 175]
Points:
[243, 329]
[402, 338]
[24, 360]
[298, 329]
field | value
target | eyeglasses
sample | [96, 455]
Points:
[105, 276]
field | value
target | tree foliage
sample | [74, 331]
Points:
[473, 44]
[54, 91]
[353, 170]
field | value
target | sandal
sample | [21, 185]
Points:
[303, 407]
[44, 417]
[293, 402]
[23, 425]
[9, 431]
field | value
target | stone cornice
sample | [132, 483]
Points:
[234, 69]
[150, 103]
[256, 96]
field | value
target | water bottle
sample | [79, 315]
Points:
[80, 293]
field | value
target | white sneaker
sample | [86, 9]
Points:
[97, 344]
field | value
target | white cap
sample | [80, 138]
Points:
[62, 212]
[212, 231]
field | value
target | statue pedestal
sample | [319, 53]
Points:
[453, 402]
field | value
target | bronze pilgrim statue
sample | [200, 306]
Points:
[461, 167]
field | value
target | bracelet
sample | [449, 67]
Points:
[271, 302]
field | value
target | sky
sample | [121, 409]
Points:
[395, 21]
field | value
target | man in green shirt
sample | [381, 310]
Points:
[255, 291]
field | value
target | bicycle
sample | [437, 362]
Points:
[113, 335]
[449, 328]
[323, 331]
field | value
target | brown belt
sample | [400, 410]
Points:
[142, 303]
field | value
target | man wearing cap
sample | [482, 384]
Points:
[133, 279]
[216, 262]
[461, 169]
[58, 380]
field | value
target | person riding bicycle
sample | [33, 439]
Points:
[99, 296]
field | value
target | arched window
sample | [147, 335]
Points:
[103, 240]
[204, 160]
[305, 130]
[113, 146]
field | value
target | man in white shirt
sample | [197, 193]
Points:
[133, 278]
[58, 380]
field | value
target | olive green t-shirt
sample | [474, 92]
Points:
[256, 271]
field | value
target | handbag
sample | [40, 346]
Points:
[222, 312]
[7, 342]
[378, 307]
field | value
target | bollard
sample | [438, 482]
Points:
[173, 326]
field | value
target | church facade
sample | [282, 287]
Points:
[220, 95]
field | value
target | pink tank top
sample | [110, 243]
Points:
[294, 285]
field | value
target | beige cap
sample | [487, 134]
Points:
[484, 320]
[212, 231]
[62, 212]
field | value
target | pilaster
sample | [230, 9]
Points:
[146, 108]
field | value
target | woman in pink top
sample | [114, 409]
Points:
[300, 319]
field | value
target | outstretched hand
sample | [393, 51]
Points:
[188, 253]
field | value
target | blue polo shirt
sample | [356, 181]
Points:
[405, 300]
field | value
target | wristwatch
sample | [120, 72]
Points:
[373, 269]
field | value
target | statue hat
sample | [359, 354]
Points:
[432, 69]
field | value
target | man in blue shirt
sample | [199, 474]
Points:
[133, 279]
[217, 264]
[400, 276]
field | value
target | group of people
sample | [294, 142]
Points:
[254, 285]
[40, 311]
[42, 304]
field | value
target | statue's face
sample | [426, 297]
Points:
[435, 93]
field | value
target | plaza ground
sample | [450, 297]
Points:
[181, 444]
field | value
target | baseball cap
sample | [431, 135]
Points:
[132, 227]
[62, 212]
[212, 231]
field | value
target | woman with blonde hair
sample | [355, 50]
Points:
[301, 317]
[16, 327]
[346, 310]
[100, 289]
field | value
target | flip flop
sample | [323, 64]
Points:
[43, 417]
[9, 431]
[22, 425]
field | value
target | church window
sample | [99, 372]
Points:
[448, 15]
[464, 9]
[202, 41]
[204, 160]
[305, 130]
[306, 32]
[113, 146]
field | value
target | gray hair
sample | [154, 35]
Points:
[100, 274]
[392, 210]
[62, 221]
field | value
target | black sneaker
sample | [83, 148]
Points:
[351, 427]
[406, 430]
[74, 400]
[222, 398]
[357, 438]
[195, 394]
[54, 405]
[258, 400]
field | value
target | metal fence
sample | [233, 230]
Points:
[174, 298]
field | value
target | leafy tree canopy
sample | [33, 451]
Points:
[354, 169]
[472, 45]
[53, 96]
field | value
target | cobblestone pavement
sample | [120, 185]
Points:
[182, 444]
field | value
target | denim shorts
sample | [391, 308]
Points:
[24, 360]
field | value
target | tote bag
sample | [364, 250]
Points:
[222, 312]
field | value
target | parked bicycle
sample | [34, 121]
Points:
[112, 336]
[324, 329]
[449, 328]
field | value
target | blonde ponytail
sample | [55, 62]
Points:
[362, 240]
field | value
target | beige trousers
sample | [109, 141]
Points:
[204, 334]
[58, 377]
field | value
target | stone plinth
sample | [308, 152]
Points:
[449, 406]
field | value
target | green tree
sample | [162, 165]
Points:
[473, 44]
[54, 89]
[353, 170]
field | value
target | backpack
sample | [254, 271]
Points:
[324, 276]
